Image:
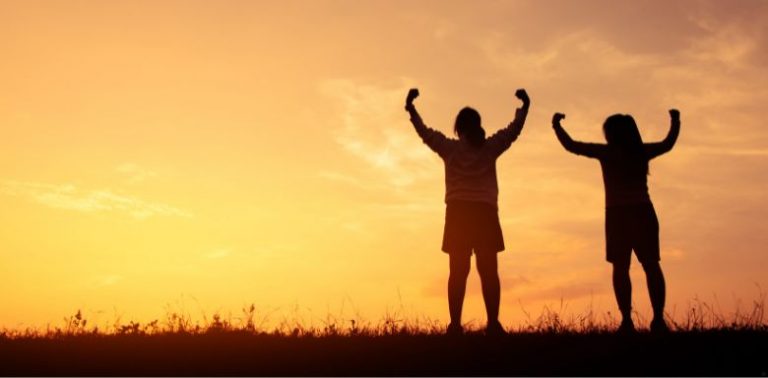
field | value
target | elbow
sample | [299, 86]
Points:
[567, 144]
[669, 143]
[572, 147]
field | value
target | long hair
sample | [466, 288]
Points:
[468, 125]
[621, 132]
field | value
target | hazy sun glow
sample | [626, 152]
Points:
[213, 154]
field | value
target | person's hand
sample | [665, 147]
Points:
[557, 118]
[412, 94]
[674, 114]
[523, 96]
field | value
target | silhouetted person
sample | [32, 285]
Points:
[630, 219]
[471, 195]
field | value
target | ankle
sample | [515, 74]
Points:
[659, 326]
[626, 327]
[494, 328]
[626, 316]
[454, 329]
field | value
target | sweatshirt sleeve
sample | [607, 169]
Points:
[434, 139]
[502, 139]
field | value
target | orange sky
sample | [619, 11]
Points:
[205, 155]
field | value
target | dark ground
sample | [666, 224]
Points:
[710, 353]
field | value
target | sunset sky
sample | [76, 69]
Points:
[205, 155]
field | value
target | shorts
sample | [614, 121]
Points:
[472, 226]
[631, 227]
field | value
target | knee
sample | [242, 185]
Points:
[621, 268]
[459, 269]
[460, 273]
[487, 267]
[651, 267]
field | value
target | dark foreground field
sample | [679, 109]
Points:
[701, 353]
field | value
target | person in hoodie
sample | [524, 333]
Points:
[471, 198]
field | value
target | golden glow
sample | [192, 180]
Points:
[209, 155]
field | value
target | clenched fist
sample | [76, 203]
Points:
[412, 94]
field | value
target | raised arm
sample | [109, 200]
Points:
[502, 139]
[655, 149]
[592, 150]
[434, 139]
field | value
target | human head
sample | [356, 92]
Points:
[620, 131]
[468, 125]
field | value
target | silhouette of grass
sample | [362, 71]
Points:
[705, 342]
[698, 317]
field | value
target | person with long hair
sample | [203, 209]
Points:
[630, 218]
[471, 197]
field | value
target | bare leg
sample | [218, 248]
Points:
[656, 288]
[487, 266]
[622, 287]
[457, 284]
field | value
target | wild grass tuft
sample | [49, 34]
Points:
[700, 316]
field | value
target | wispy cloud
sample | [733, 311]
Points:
[107, 280]
[375, 129]
[134, 173]
[348, 179]
[436, 287]
[567, 290]
[218, 253]
[750, 152]
[70, 197]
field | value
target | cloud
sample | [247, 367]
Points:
[437, 287]
[375, 129]
[349, 180]
[673, 254]
[733, 32]
[70, 197]
[701, 57]
[219, 253]
[566, 291]
[108, 280]
[749, 152]
[135, 173]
